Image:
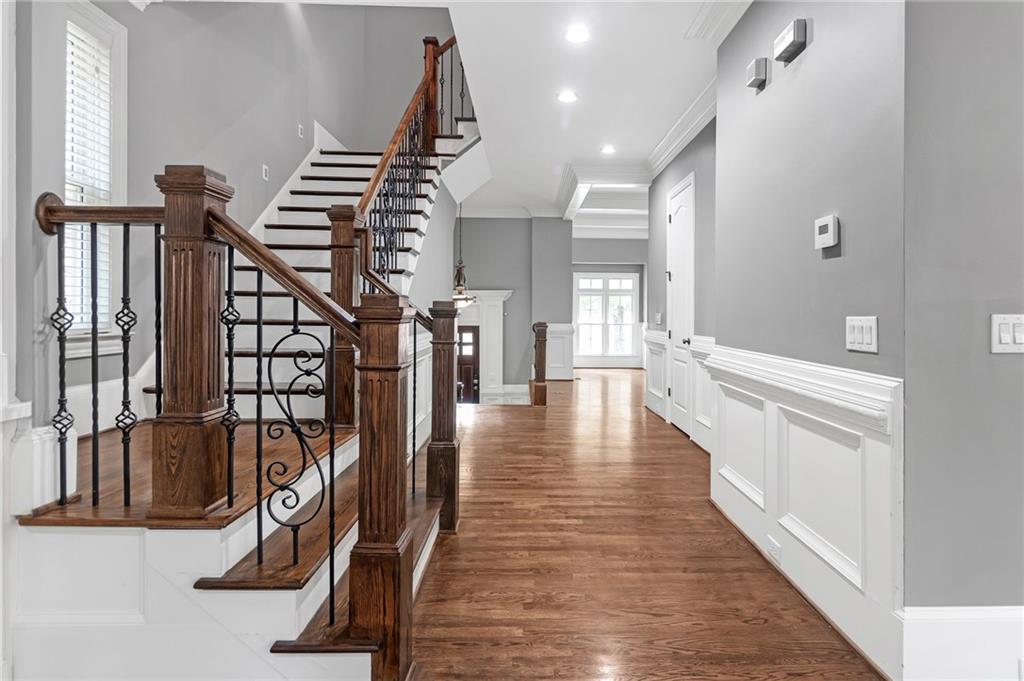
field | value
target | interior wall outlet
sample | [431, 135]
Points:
[266, 173]
[302, 131]
[1007, 333]
[862, 334]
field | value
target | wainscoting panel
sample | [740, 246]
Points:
[807, 461]
[704, 401]
[656, 353]
[560, 339]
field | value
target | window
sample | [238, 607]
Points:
[605, 314]
[93, 155]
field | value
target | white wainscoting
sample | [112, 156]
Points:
[703, 398]
[942, 644]
[655, 356]
[560, 345]
[807, 461]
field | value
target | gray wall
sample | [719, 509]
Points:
[609, 250]
[434, 272]
[497, 253]
[825, 136]
[394, 60]
[698, 158]
[224, 85]
[551, 271]
[964, 261]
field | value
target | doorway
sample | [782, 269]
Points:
[468, 369]
[680, 294]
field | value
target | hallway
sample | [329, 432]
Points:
[588, 550]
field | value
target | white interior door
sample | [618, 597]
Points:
[680, 286]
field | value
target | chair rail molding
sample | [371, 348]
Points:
[807, 461]
[488, 312]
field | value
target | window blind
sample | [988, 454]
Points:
[87, 171]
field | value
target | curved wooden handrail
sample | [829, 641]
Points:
[51, 211]
[379, 282]
[284, 274]
[388, 157]
[445, 46]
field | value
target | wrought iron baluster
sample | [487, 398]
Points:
[230, 317]
[451, 92]
[331, 437]
[157, 318]
[62, 320]
[462, 89]
[259, 417]
[94, 292]
[415, 408]
[440, 117]
[126, 320]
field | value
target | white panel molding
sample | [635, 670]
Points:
[560, 345]
[831, 517]
[745, 431]
[488, 312]
[963, 643]
[862, 398]
[682, 132]
[704, 402]
[655, 356]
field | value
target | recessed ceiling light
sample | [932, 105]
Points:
[577, 33]
[607, 150]
[567, 96]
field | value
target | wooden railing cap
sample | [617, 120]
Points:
[43, 204]
[383, 307]
[346, 212]
[194, 179]
[444, 309]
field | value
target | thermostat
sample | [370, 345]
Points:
[791, 41]
[757, 73]
[826, 231]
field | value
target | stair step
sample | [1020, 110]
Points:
[336, 178]
[346, 152]
[465, 119]
[298, 247]
[245, 321]
[371, 166]
[297, 268]
[251, 293]
[323, 209]
[278, 571]
[324, 228]
[328, 192]
[449, 137]
[319, 636]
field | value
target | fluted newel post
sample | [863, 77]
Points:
[189, 447]
[443, 450]
[430, 49]
[380, 570]
[539, 384]
[345, 266]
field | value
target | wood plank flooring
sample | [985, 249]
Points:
[588, 551]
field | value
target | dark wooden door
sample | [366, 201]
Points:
[469, 364]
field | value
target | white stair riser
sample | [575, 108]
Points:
[327, 201]
[469, 130]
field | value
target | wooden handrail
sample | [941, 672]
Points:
[51, 211]
[445, 46]
[379, 282]
[388, 157]
[284, 274]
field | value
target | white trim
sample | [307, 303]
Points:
[488, 313]
[682, 132]
[703, 393]
[8, 219]
[560, 352]
[80, 344]
[634, 360]
[808, 462]
[714, 20]
[590, 232]
[961, 643]
[655, 362]
[678, 353]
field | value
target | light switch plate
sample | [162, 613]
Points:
[862, 334]
[1007, 333]
[266, 173]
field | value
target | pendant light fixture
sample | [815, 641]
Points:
[459, 295]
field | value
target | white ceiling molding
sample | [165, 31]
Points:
[608, 233]
[714, 20]
[685, 129]
[579, 180]
[141, 5]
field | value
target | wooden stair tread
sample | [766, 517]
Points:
[465, 119]
[324, 209]
[299, 247]
[353, 194]
[449, 137]
[251, 293]
[248, 321]
[370, 166]
[336, 178]
[278, 570]
[319, 636]
[324, 228]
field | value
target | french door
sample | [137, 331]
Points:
[605, 312]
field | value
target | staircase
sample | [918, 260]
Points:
[276, 515]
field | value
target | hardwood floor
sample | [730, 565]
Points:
[588, 550]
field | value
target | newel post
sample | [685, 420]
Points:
[345, 267]
[380, 569]
[443, 450]
[539, 385]
[189, 447]
[431, 46]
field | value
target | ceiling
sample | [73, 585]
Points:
[644, 79]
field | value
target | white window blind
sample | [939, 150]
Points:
[87, 171]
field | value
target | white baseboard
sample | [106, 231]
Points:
[963, 643]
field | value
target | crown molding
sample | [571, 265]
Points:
[578, 180]
[714, 20]
[693, 120]
[609, 232]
